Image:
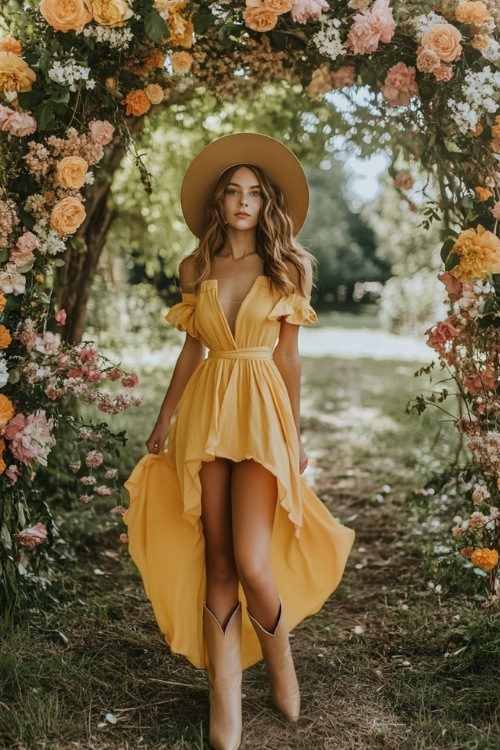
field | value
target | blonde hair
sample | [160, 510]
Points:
[276, 243]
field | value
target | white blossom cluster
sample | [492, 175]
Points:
[4, 373]
[492, 51]
[69, 74]
[479, 92]
[423, 23]
[328, 40]
[50, 242]
[117, 38]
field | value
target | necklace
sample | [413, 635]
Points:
[237, 260]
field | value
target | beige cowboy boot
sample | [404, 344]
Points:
[224, 675]
[279, 663]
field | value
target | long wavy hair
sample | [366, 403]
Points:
[275, 241]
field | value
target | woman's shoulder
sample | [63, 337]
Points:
[187, 274]
[294, 275]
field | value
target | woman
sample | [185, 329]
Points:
[223, 516]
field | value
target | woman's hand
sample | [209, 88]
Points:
[303, 459]
[156, 441]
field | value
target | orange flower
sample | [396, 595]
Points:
[155, 60]
[39, 277]
[71, 172]
[477, 131]
[65, 15]
[467, 552]
[5, 337]
[181, 31]
[495, 145]
[67, 215]
[154, 92]
[3, 302]
[6, 410]
[137, 103]
[9, 44]
[15, 74]
[485, 558]
[472, 12]
[260, 19]
[495, 130]
[479, 252]
[445, 40]
[181, 62]
[482, 193]
[480, 42]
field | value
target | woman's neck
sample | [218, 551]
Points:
[238, 245]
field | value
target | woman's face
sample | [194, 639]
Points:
[242, 200]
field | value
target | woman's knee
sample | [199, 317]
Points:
[255, 575]
[221, 568]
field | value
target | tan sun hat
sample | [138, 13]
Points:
[280, 164]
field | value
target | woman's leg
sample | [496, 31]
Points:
[222, 577]
[254, 497]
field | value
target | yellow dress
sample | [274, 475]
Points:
[235, 406]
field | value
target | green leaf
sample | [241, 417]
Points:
[14, 376]
[58, 262]
[44, 116]
[453, 260]
[60, 96]
[446, 249]
[202, 22]
[155, 27]
[4, 255]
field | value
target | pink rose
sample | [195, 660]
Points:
[93, 375]
[371, 28]
[101, 131]
[130, 381]
[31, 537]
[496, 210]
[403, 181]
[451, 284]
[114, 374]
[31, 437]
[23, 251]
[16, 123]
[61, 317]
[301, 10]
[441, 333]
[400, 85]
[482, 381]
[88, 354]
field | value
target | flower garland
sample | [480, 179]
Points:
[75, 75]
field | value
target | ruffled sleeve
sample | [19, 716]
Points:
[182, 315]
[294, 309]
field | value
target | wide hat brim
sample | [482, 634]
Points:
[280, 164]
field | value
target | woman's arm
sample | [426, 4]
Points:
[191, 355]
[287, 360]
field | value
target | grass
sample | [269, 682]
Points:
[388, 664]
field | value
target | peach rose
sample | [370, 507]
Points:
[451, 284]
[71, 172]
[400, 85]
[485, 558]
[260, 19]
[10, 44]
[154, 92]
[111, 12]
[444, 39]
[486, 380]
[65, 15]
[181, 62]
[441, 333]
[6, 410]
[279, 6]
[443, 74]
[472, 12]
[137, 103]
[15, 73]
[101, 132]
[344, 76]
[67, 215]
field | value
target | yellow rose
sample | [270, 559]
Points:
[67, 215]
[65, 15]
[181, 31]
[260, 19]
[5, 337]
[485, 558]
[472, 12]
[445, 40]
[169, 5]
[15, 74]
[71, 172]
[6, 410]
[479, 252]
[111, 12]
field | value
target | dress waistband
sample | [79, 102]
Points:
[256, 352]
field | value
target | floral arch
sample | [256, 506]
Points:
[77, 80]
